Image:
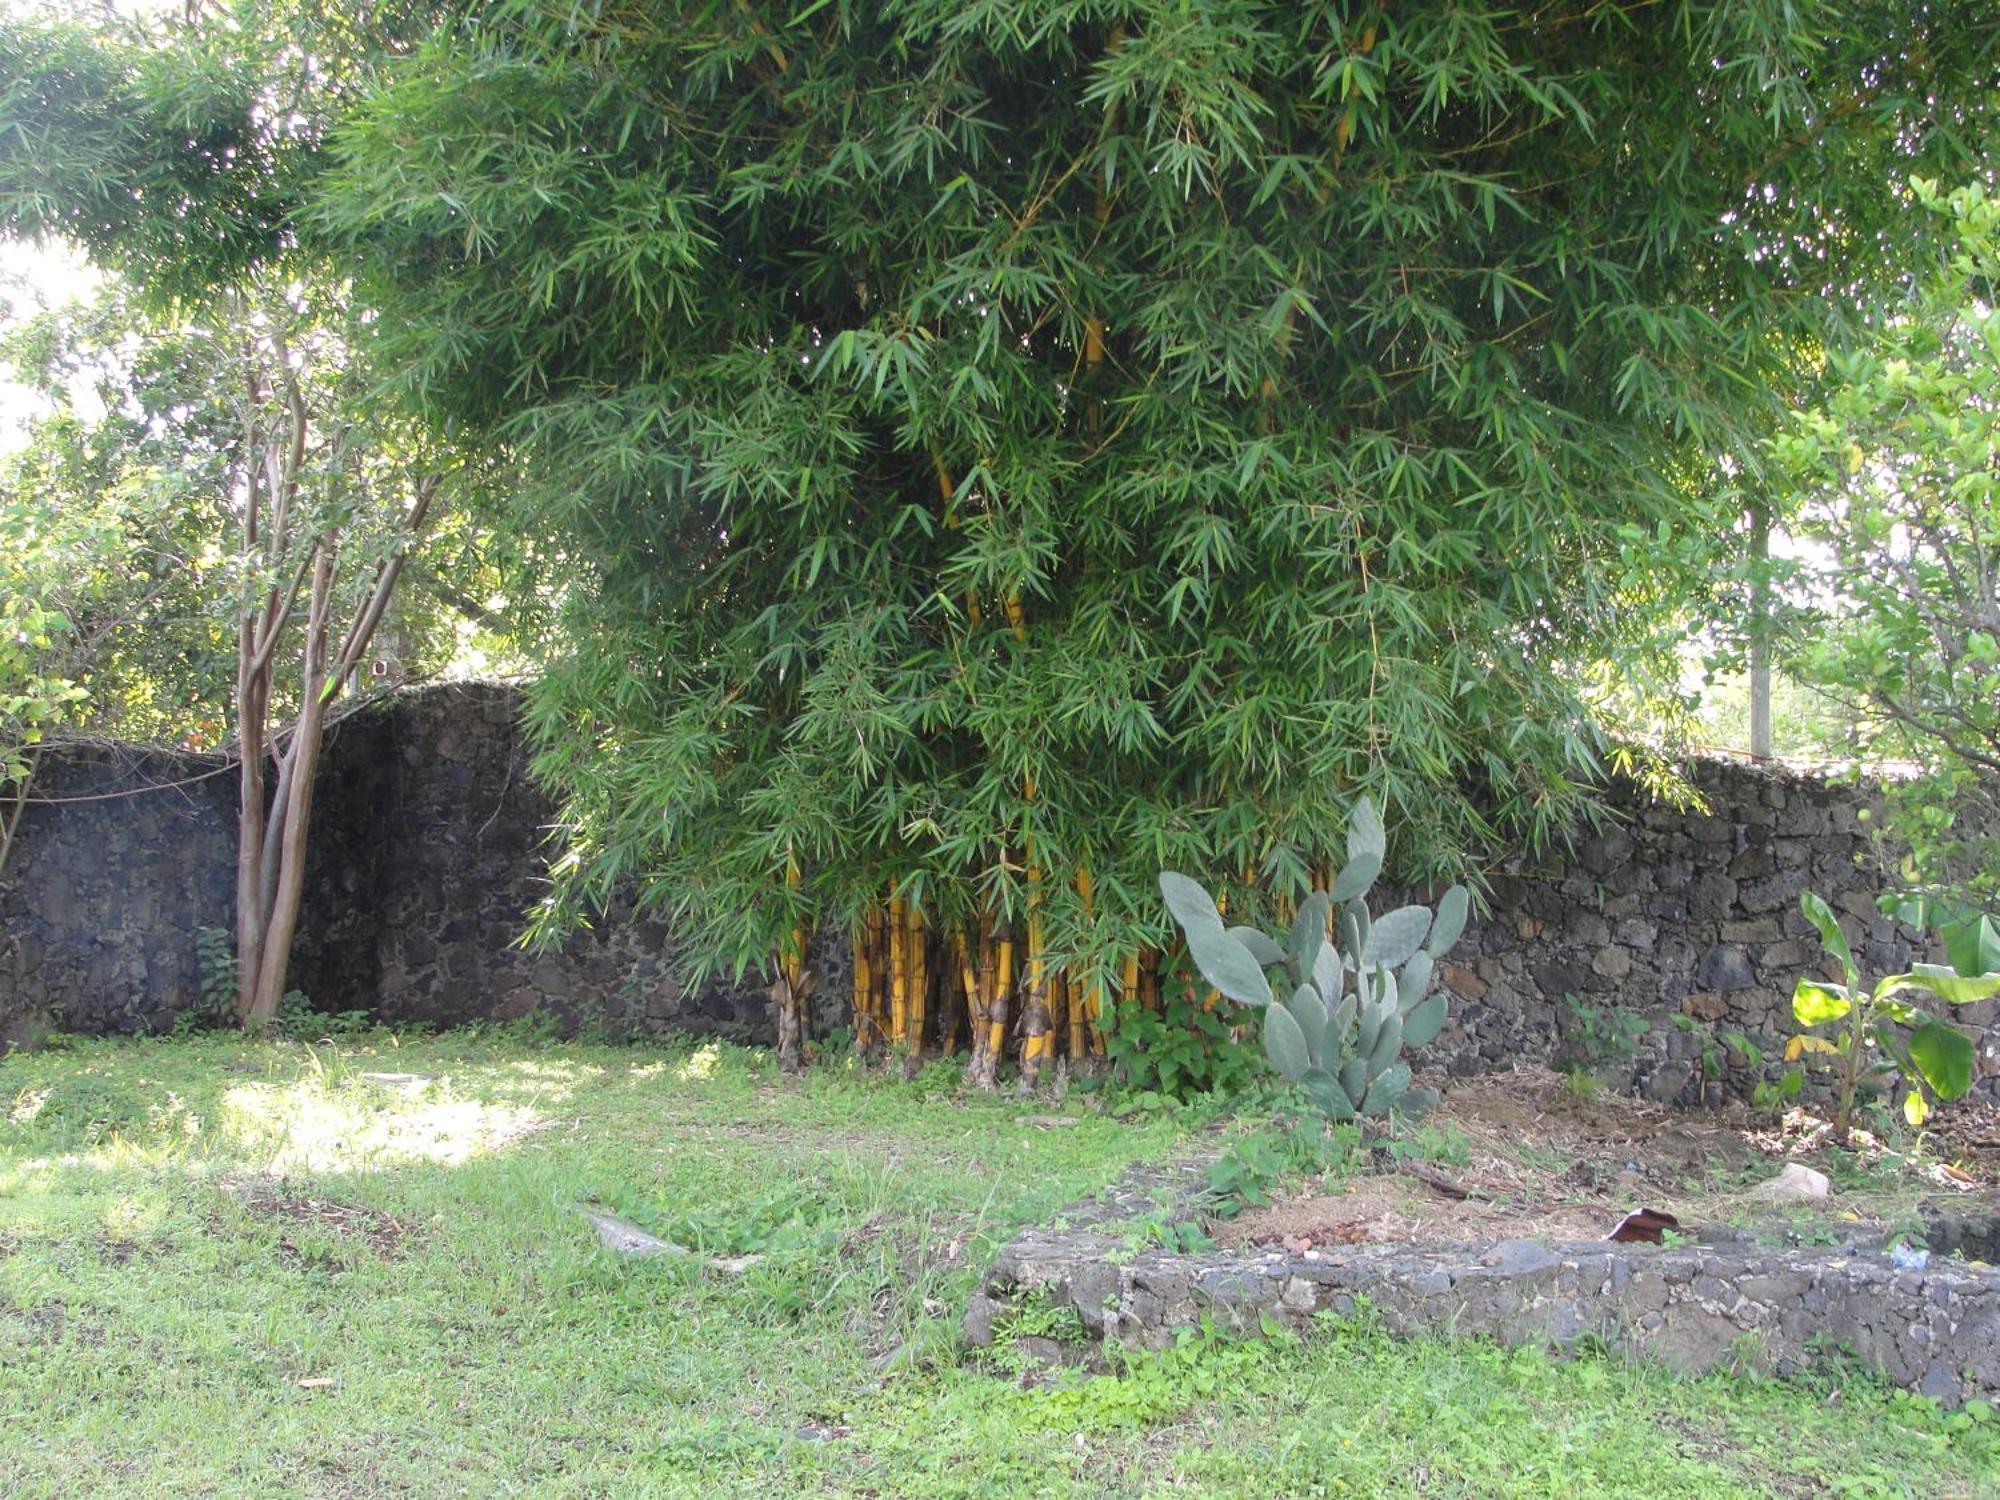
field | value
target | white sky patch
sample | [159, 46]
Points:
[34, 278]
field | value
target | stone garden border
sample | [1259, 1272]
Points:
[1691, 1307]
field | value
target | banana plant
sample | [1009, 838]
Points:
[1340, 1017]
[1880, 1034]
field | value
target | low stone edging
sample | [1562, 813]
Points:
[1692, 1307]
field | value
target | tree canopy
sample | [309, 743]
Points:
[979, 453]
[1900, 494]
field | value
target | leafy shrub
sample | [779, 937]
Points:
[1182, 1050]
[1243, 1176]
[1601, 1041]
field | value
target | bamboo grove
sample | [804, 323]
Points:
[969, 455]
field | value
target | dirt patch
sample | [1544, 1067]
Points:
[277, 1201]
[1395, 1208]
[1519, 1156]
[44, 1324]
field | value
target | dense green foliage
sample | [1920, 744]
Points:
[1299, 374]
[965, 440]
[119, 509]
[1901, 495]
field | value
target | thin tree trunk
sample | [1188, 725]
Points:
[252, 705]
[1760, 634]
[10, 820]
[285, 840]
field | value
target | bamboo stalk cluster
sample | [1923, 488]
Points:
[982, 989]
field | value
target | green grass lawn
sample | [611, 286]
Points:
[244, 1270]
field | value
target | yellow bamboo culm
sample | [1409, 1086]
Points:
[863, 979]
[1035, 1018]
[1035, 1023]
[899, 973]
[968, 978]
[1079, 1042]
[793, 1019]
[879, 977]
[997, 1036]
[1016, 617]
[1087, 1032]
[920, 983]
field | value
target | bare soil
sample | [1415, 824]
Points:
[275, 1200]
[1518, 1155]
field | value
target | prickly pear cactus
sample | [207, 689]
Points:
[1340, 1017]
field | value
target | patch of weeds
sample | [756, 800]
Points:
[1182, 1050]
[937, 1080]
[1178, 1236]
[1145, 1388]
[834, 1049]
[538, 1028]
[298, 1020]
[789, 1222]
[1027, 1330]
[1255, 1163]
[1581, 1084]
[1445, 1145]
[1598, 1044]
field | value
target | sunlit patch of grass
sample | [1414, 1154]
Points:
[307, 1127]
[700, 1064]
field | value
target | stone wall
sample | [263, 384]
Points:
[1934, 1327]
[428, 848]
[426, 853]
[1687, 918]
[103, 893]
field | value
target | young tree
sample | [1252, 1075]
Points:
[234, 509]
[325, 505]
[1900, 475]
[174, 149]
